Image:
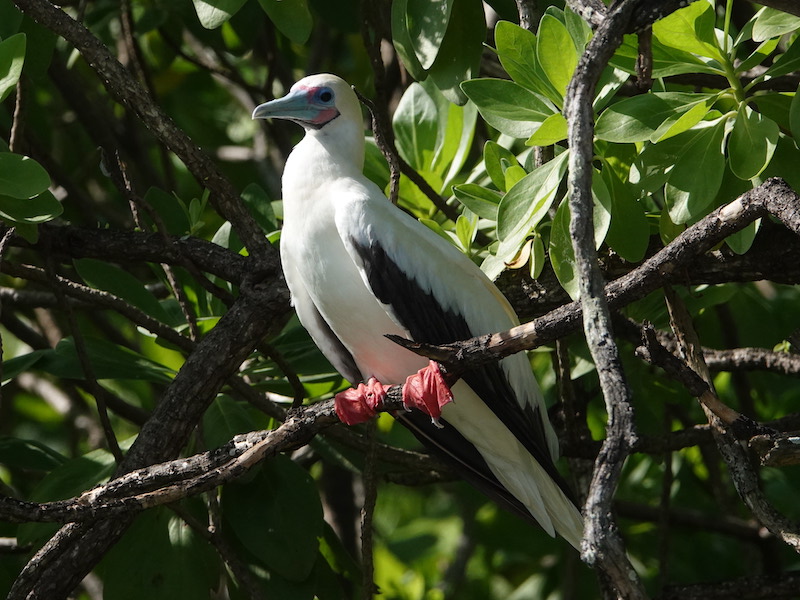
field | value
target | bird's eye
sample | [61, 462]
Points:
[325, 95]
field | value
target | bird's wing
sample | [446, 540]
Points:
[327, 341]
[438, 295]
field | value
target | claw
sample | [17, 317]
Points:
[428, 392]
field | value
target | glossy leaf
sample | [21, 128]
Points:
[527, 202]
[213, 13]
[552, 130]
[690, 29]
[667, 61]
[787, 62]
[556, 53]
[277, 516]
[771, 22]
[639, 118]
[460, 52]
[109, 361]
[12, 57]
[69, 479]
[224, 419]
[32, 211]
[629, 232]
[794, 115]
[516, 49]
[415, 125]
[172, 561]
[751, 143]
[427, 24]
[401, 39]
[507, 106]
[480, 200]
[688, 195]
[497, 159]
[102, 275]
[291, 17]
[562, 256]
[18, 453]
[21, 177]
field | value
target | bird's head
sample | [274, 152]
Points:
[314, 102]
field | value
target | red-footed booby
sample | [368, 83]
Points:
[358, 268]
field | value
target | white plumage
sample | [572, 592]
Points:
[359, 268]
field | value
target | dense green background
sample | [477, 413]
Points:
[722, 116]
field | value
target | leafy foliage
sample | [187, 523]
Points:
[119, 326]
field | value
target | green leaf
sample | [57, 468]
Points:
[794, 115]
[497, 159]
[690, 29]
[277, 516]
[538, 259]
[528, 201]
[556, 53]
[741, 241]
[480, 200]
[416, 127]
[507, 106]
[516, 49]
[639, 118]
[787, 62]
[456, 129]
[460, 52]
[466, 228]
[172, 561]
[172, 211]
[758, 56]
[629, 233]
[213, 13]
[12, 57]
[108, 360]
[562, 256]
[697, 175]
[552, 130]
[102, 275]
[19, 364]
[667, 61]
[224, 419]
[259, 205]
[70, 479]
[32, 211]
[683, 120]
[21, 177]
[427, 24]
[771, 22]
[291, 17]
[601, 215]
[18, 453]
[751, 143]
[401, 39]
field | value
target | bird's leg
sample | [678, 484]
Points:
[426, 390]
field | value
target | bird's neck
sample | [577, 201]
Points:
[336, 150]
[316, 165]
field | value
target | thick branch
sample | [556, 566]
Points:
[602, 546]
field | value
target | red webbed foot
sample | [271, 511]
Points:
[426, 390]
[358, 404]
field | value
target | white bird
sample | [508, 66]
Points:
[358, 268]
